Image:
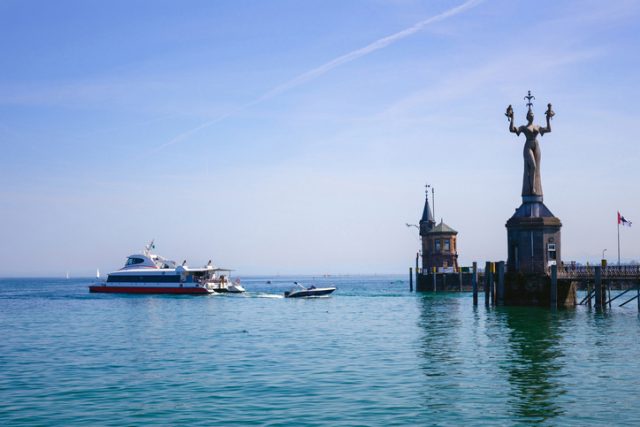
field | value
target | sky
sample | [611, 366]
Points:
[289, 137]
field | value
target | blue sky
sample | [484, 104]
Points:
[296, 137]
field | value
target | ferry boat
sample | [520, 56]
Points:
[148, 273]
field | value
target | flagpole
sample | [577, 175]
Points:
[618, 239]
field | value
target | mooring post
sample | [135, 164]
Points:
[474, 283]
[598, 285]
[493, 283]
[501, 283]
[638, 296]
[487, 282]
[410, 279]
[588, 293]
[460, 279]
[554, 286]
[417, 267]
[435, 281]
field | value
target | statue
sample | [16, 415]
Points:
[531, 184]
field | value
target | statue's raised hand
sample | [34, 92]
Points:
[549, 113]
[509, 112]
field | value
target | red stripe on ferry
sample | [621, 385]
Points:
[146, 290]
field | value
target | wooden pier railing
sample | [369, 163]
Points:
[622, 272]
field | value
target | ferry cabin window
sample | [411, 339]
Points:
[437, 242]
[132, 261]
[447, 246]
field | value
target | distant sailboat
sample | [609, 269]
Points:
[97, 273]
[67, 275]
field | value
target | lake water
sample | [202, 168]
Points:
[371, 354]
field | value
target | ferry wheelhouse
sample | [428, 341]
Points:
[148, 273]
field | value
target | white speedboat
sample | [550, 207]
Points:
[148, 273]
[223, 285]
[312, 291]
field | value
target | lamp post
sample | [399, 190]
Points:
[417, 253]
[603, 251]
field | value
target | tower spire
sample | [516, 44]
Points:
[427, 221]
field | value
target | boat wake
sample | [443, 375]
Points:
[263, 295]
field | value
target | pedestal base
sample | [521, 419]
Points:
[533, 238]
[535, 289]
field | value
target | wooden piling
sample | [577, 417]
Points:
[492, 283]
[554, 286]
[417, 267]
[474, 283]
[487, 282]
[638, 297]
[598, 286]
[459, 280]
[410, 279]
[500, 283]
[435, 282]
[589, 293]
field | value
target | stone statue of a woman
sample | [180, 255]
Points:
[531, 184]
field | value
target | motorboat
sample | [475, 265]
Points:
[223, 285]
[304, 292]
[148, 273]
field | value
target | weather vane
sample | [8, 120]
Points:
[529, 97]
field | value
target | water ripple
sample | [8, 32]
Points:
[372, 354]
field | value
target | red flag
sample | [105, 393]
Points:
[623, 221]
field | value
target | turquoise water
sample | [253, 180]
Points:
[372, 354]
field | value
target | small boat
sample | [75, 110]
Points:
[225, 286]
[311, 291]
[148, 273]
[236, 287]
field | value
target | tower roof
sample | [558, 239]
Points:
[427, 216]
[442, 228]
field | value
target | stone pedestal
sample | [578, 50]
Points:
[534, 244]
[535, 290]
[533, 236]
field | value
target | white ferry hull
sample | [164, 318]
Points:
[149, 289]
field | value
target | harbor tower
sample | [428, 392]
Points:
[439, 246]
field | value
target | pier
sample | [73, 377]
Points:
[604, 284]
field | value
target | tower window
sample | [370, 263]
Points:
[447, 245]
[437, 245]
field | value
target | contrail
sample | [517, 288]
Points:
[325, 68]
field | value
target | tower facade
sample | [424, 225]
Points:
[440, 248]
